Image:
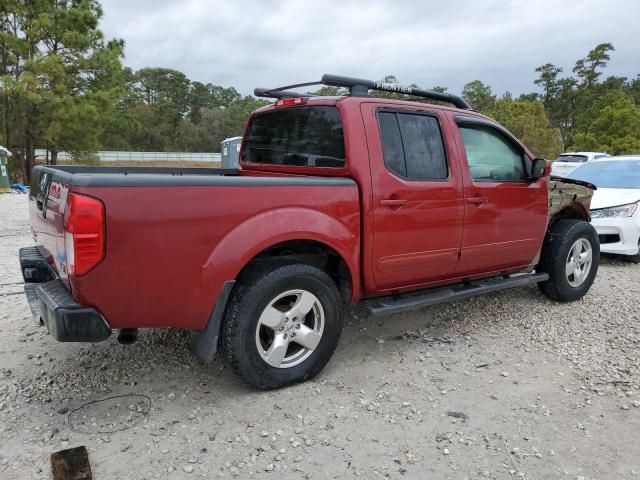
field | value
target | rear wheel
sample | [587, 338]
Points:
[570, 255]
[283, 324]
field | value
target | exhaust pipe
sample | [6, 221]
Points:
[127, 336]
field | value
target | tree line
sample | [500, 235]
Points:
[63, 87]
[580, 111]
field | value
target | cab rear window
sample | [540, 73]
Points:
[300, 136]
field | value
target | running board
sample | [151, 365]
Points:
[403, 303]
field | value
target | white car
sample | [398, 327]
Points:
[568, 162]
[615, 211]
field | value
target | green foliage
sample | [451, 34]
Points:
[479, 96]
[548, 80]
[528, 121]
[329, 91]
[615, 128]
[633, 89]
[59, 79]
[591, 114]
[63, 87]
[587, 69]
[216, 124]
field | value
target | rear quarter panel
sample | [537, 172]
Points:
[47, 203]
[169, 249]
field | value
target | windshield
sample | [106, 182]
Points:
[610, 173]
[301, 136]
[572, 158]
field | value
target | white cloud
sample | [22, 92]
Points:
[268, 43]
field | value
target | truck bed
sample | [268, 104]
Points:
[175, 235]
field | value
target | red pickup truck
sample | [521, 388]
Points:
[400, 204]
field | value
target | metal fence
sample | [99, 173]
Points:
[41, 154]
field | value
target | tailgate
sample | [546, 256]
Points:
[47, 203]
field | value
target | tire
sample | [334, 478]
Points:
[268, 339]
[560, 241]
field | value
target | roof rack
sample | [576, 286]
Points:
[359, 87]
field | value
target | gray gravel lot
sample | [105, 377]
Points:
[501, 386]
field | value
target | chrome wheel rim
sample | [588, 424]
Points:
[579, 262]
[290, 328]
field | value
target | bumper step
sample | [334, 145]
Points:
[33, 266]
[66, 320]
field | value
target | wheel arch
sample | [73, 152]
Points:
[573, 211]
[302, 233]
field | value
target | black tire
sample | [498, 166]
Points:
[553, 259]
[259, 286]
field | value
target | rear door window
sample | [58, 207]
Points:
[412, 145]
[300, 136]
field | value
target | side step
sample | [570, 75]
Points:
[407, 302]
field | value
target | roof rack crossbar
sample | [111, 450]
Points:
[274, 93]
[359, 87]
[360, 84]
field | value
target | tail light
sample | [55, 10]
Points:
[83, 233]
[289, 102]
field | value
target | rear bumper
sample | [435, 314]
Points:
[66, 320]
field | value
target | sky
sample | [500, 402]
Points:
[269, 43]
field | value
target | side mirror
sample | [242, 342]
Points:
[538, 168]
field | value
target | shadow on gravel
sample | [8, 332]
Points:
[160, 362]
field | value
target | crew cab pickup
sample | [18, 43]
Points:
[399, 204]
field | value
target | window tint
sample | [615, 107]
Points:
[392, 143]
[302, 136]
[412, 146]
[492, 157]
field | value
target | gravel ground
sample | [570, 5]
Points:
[501, 386]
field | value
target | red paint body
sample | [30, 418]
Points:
[169, 249]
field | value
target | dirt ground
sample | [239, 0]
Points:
[501, 386]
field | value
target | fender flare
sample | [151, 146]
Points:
[256, 234]
[240, 245]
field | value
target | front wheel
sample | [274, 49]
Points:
[570, 255]
[282, 325]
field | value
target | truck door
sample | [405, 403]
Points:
[505, 210]
[417, 199]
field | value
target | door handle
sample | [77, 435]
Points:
[477, 200]
[392, 202]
